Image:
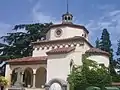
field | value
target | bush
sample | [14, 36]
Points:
[3, 81]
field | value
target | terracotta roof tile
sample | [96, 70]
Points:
[61, 50]
[27, 59]
[97, 51]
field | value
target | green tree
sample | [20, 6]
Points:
[116, 77]
[97, 43]
[18, 44]
[118, 48]
[105, 45]
[89, 74]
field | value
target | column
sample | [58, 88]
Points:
[22, 73]
[34, 74]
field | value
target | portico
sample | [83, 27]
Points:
[31, 75]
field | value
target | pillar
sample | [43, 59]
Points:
[22, 73]
[34, 74]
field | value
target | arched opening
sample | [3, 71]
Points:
[28, 77]
[40, 77]
[55, 86]
[69, 18]
[14, 76]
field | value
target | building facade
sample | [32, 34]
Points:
[53, 58]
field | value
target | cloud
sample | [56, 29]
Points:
[4, 28]
[111, 21]
[40, 16]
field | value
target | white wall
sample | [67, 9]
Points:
[40, 52]
[8, 72]
[68, 32]
[58, 67]
[100, 59]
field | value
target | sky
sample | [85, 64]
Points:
[93, 14]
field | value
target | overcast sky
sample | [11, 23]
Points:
[93, 14]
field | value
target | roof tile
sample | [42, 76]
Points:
[97, 51]
[27, 59]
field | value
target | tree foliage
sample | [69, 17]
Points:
[89, 74]
[97, 43]
[118, 55]
[105, 45]
[3, 81]
[18, 44]
[118, 48]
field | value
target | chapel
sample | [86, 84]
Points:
[53, 58]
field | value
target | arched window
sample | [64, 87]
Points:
[28, 77]
[65, 18]
[13, 77]
[71, 65]
[69, 18]
[41, 74]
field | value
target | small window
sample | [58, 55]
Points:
[82, 34]
[65, 18]
[69, 18]
[85, 35]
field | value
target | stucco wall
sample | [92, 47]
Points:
[57, 67]
[8, 72]
[67, 32]
[100, 59]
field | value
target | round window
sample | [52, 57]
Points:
[58, 32]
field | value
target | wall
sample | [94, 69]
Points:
[77, 54]
[100, 59]
[57, 67]
[8, 72]
[68, 32]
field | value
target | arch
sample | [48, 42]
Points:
[69, 18]
[14, 75]
[28, 77]
[41, 74]
[57, 81]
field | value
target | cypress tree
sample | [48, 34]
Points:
[105, 45]
[118, 48]
[97, 43]
[118, 54]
